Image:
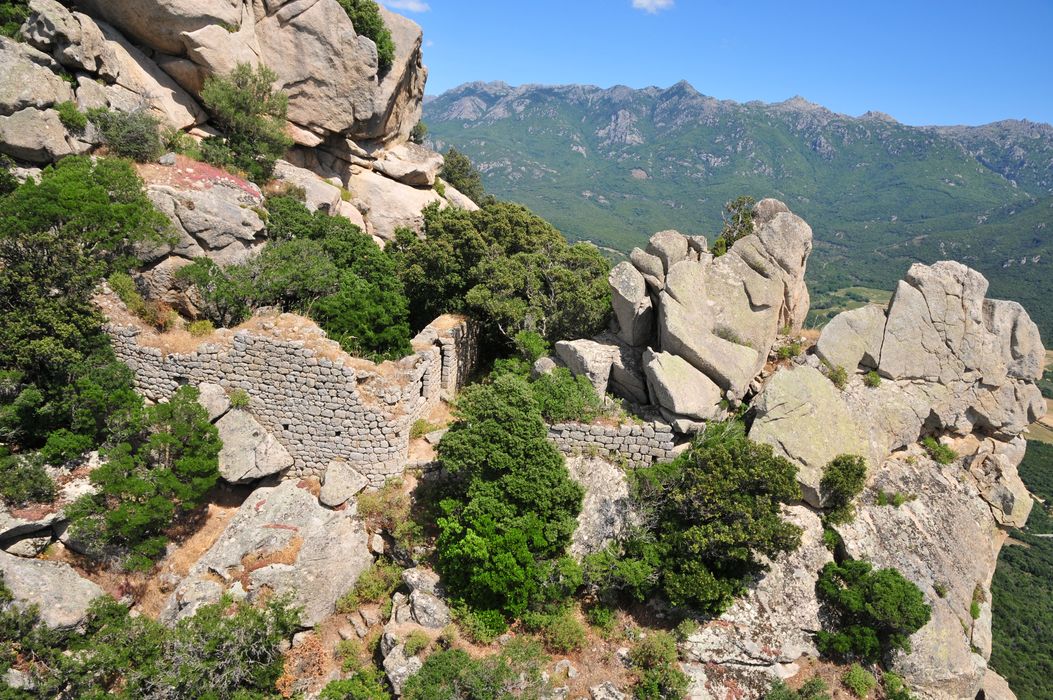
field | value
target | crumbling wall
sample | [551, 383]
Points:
[638, 444]
[319, 402]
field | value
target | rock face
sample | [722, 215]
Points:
[340, 483]
[249, 452]
[60, 594]
[606, 513]
[709, 323]
[763, 635]
[296, 39]
[280, 541]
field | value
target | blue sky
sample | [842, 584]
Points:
[923, 62]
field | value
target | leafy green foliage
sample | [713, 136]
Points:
[134, 135]
[813, 689]
[459, 171]
[843, 480]
[374, 584]
[71, 117]
[366, 684]
[738, 222]
[416, 642]
[872, 379]
[322, 266]
[63, 235]
[225, 651]
[507, 267]
[512, 507]
[940, 453]
[561, 631]
[167, 464]
[655, 656]
[13, 13]
[250, 115]
[561, 396]
[367, 20]
[858, 680]
[709, 514]
[895, 688]
[838, 376]
[875, 612]
[1022, 589]
[24, 480]
[514, 673]
[419, 133]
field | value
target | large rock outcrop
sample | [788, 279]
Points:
[330, 71]
[708, 323]
[280, 541]
[61, 596]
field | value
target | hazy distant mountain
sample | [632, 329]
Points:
[615, 165]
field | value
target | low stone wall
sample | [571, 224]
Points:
[317, 401]
[639, 444]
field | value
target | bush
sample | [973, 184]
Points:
[660, 676]
[874, 612]
[506, 267]
[71, 117]
[563, 633]
[416, 642]
[365, 16]
[837, 375]
[240, 399]
[843, 480]
[602, 617]
[514, 672]
[708, 515]
[872, 379]
[200, 329]
[23, 480]
[813, 689]
[859, 681]
[895, 688]
[156, 314]
[422, 427]
[374, 585]
[251, 117]
[938, 452]
[738, 222]
[13, 14]
[458, 171]
[419, 133]
[562, 397]
[65, 233]
[895, 500]
[512, 507]
[481, 626]
[134, 135]
[366, 684]
[167, 464]
[789, 351]
[64, 445]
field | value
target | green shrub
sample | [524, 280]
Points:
[350, 653]
[375, 584]
[896, 499]
[71, 117]
[874, 612]
[872, 379]
[506, 267]
[813, 689]
[655, 657]
[602, 617]
[481, 626]
[134, 135]
[200, 329]
[64, 445]
[422, 427]
[562, 396]
[790, 351]
[738, 219]
[837, 375]
[514, 672]
[859, 681]
[977, 599]
[843, 480]
[720, 247]
[13, 14]
[57, 370]
[366, 684]
[167, 464]
[416, 642]
[895, 688]
[419, 133]
[367, 20]
[459, 171]
[685, 628]
[240, 399]
[938, 452]
[250, 115]
[940, 589]
[563, 633]
[512, 507]
[709, 514]
[23, 480]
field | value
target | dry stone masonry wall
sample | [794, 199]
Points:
[319, 403]
[639, 444]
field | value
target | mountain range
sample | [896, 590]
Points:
[615, 165]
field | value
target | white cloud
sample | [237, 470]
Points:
[418, 6]
[428, 43]
[652, 6]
